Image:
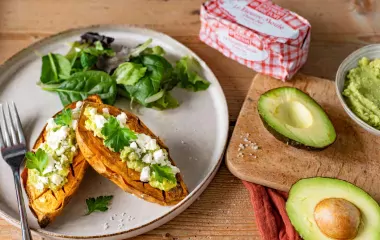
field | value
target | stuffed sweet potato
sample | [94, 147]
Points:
[121, 148]
[55, 168]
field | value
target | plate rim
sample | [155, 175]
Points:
[199, 189]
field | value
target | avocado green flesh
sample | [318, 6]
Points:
[295, 115]
[307, 193]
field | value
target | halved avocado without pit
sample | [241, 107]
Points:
[295, 118]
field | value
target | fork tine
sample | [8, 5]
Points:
[5, 128]
[17, 123]
[11, 126]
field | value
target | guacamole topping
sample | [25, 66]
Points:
[139, 151]
[362, 91]
[49, 166]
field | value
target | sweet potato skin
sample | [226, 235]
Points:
[47, 204]
[109, 165]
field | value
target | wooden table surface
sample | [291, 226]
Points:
[223, 211]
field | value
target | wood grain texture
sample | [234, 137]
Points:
[338, 28]
[354, 156]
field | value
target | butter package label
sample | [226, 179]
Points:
[257, 33]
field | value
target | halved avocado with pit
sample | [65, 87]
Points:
[327, 209]
[295, 118]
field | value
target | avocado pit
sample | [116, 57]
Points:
[337, 218]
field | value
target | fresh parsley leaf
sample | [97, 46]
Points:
[115, 136]
[64, 118]
[186, 71]
[55, 68]
[159, 173]
[129, 73]
[99, 204]
[37, 160]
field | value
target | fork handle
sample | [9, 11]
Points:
[26, 235]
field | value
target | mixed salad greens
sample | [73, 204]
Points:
[141, 74]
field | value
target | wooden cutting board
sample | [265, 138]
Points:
[354, 157]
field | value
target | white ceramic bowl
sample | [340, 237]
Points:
[369, 51]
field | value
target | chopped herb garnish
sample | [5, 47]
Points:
[99, 204]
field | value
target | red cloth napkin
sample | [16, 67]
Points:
[269, 208]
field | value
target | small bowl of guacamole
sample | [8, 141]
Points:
[358, 87]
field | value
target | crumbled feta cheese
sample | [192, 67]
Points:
[53, 139]
[175, 170]
[99, 120]
[39, 186]
[43, 180]
[105, 110]
[60, 151]
[145, 174]
[73, 148]
[51, 124]
[133, 145]
[64, 158]
[79, 104]
[92, 111]
[122, 118]
[159, 157]
[151, 144]
[58, 166]
[74, 124]
[147, 158]
[50, 166]
[56, 179]
[142, 140]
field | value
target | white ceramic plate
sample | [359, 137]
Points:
[195, 132]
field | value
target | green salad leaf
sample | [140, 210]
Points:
[38, 160]
[159, 69]
[135, 52]
[186, 71]
[156, 50]
[99, 50]
[141, 74]
[152, 89]
[115, 136]
[165, 102]
[83, 84]
[99, 204]
[129, 73]
[159, 173]
[88, 60]
[64, 118]
[55, 68]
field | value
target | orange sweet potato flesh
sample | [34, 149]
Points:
[47, 204]
[109, 164]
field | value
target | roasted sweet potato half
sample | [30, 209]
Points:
[47, 204]
[109, 164]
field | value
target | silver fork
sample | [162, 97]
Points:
[13, 149]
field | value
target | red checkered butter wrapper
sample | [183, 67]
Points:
[257, 33]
